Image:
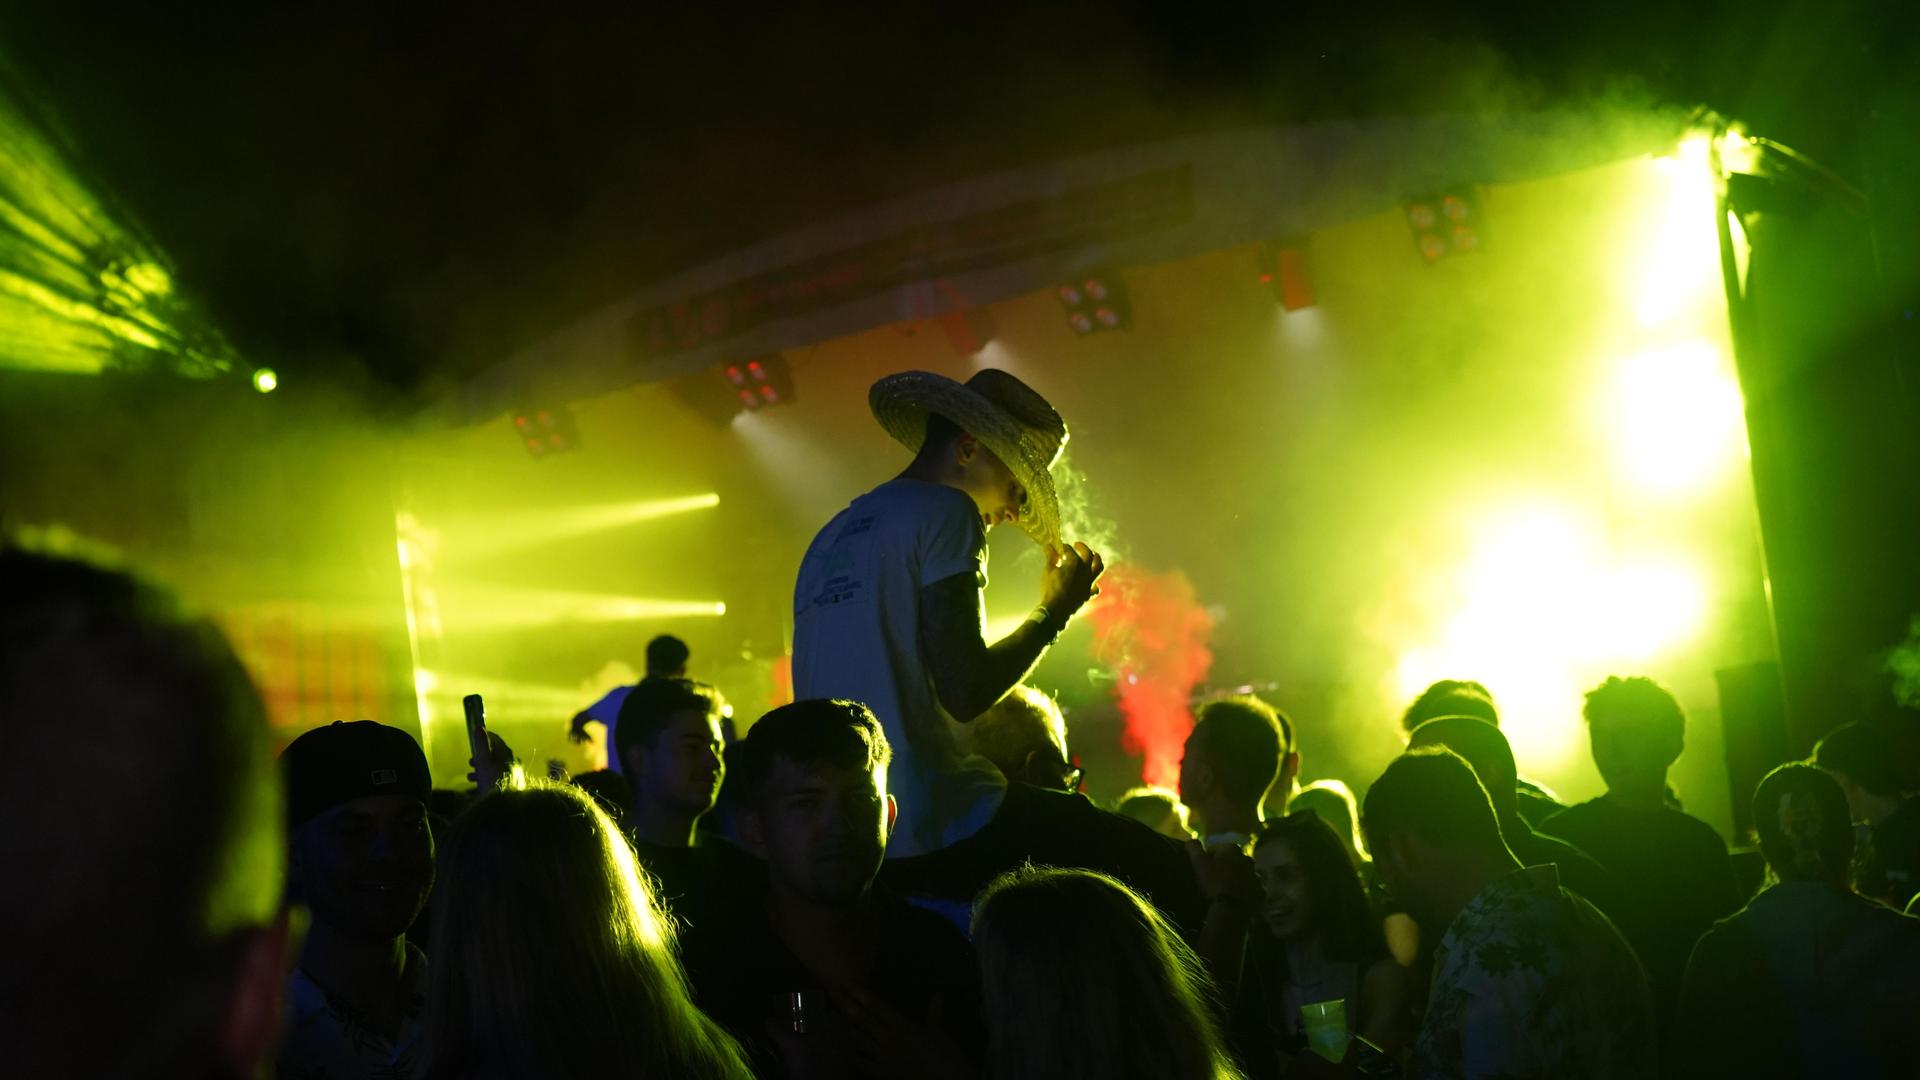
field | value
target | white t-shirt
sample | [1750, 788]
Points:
[856, 635]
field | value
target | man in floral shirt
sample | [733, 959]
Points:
[1529, 980]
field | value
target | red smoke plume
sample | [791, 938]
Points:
[1152, 633]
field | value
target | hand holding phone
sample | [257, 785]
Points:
[487, 771]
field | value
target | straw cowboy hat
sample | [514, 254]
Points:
[1008, 417]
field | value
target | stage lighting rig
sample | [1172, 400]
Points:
[546, 429]
[759, 383]
[726, 391]
[1096, 302]
[1446, 223]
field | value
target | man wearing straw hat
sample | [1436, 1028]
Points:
[888, 612]
[888, 608]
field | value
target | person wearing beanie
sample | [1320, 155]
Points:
[361, 860]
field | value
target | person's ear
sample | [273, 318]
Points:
[1289, 772]
[1201, 774]
[893, 813]
[296, 867]
[965, 447]
[753, 833]
[1386, 850]
[256, 1007]
[1026, 766]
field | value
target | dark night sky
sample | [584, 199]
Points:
[411, 190]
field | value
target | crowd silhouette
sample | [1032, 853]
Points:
[896, 874]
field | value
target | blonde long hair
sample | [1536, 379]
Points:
[1080, 977]
[551, 956]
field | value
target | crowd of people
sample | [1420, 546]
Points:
[896, 874]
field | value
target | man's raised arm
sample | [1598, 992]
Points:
[969, 675]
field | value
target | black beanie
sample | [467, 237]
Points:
[345, 761]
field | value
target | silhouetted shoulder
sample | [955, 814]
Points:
[1696, 831]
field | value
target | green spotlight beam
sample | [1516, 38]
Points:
[498, 534]
[447, 688]
[486, 607]
[81, 289]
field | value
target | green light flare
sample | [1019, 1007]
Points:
[82, 291]
[1679, 267]
[448, 688]
[1546, 591]
[1543, 607]
[265, 381]
[1677, 417]
[487, 607]
[497, 534]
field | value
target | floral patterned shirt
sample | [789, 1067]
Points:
[1532, 981]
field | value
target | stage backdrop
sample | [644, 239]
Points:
[1523, 465]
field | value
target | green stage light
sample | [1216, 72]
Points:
[1679, 270]
[491, 607]
[487, 537]
[1647, 607]
[1676, 418]
[501, 694]
[81, 289]
[265, 381]
[1543, 608]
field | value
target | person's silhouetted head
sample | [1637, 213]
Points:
[1482, 746]
[1450, 697]
[670, 747]
[1158, 809]
[142, 905]
[1636, 731]
[1866, 765]
[814, 802]
[1081, 978]
[1431, 827]
[1806, 833]
[1312, 888]
[609, 789]
[1333, 802]
[950, 454]
[1239, 748]
[667, 658]
[1025, 737]
[361, 846]
[551, 956]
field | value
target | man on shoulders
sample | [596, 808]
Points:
[888, 612]
[888, 606]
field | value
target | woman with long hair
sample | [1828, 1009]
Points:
[552, 958]
[1081, 978]
[1810, 978]
[1318, 941]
